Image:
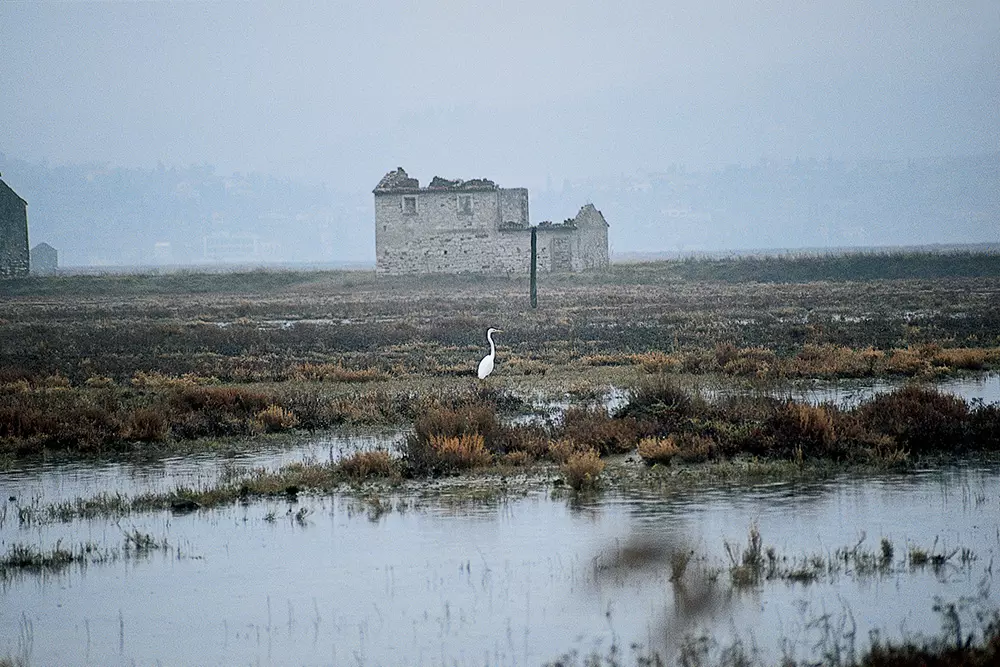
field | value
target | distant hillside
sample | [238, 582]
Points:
[100, 215]
[97, 215]
[802, 204]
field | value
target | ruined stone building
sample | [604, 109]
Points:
[13, 233]
[44, 260]
[476, 226]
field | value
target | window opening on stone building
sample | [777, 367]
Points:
[465, 204]
[410, 205]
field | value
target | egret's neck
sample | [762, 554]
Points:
[489, 337]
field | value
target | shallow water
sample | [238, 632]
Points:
[55, 481]
[848, 393]
[522, 581]
[515, 582]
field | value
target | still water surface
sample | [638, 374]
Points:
[515, 582]
[518, 581]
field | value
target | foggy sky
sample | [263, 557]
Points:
[522, 92]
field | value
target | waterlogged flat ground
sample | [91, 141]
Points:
[478, 570]
[518, 579]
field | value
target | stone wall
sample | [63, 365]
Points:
[473, 227]
[13, 233]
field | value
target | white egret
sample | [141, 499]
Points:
[486, 365]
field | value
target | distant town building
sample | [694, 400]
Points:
[14, 257]
[44, 260]
[475, 226]
[163, 252]
[225, 247]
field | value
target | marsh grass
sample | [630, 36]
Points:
[361, 466]
[275, 418]
[658, 450]
[755, 563]
[336, 372]
[591, 427]
[461, 452]
[29, 559]
[582, 469]
[123, 371]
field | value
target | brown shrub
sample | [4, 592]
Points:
[910, 361]
[658, 450]
[523, 366]
[810, 429]
[517, 459]
[657, 362]
[276, 418]
[660, 406]
[607, 360]
[834, 360]
[454, 421]
[146, 425]
[560, 451]
[582, 469]
[56, 381]
[362, 465]
[699, 361]
[157, 380]
[461, 452]
[99, 382]
[236, 400]
[918, 418]
[528, 438]
[962, 358]
[695, 448]
[594, 428]
[725, 353]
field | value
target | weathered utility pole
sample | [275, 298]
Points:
[534, 264]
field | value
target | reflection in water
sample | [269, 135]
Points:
[410, 580]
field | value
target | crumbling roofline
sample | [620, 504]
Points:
[399, 182]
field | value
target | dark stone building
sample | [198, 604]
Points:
[13, 233]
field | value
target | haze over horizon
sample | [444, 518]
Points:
[521, 92]
[527, 94]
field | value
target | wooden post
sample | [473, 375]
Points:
[534, 263]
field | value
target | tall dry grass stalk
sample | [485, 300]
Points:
[363, 465]
[658, 450]
[461, 452]
[582, 469]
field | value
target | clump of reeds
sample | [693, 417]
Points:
[363, 465]
[460, 452]
[918, 419]
[439, 420]
[659, 399]
[747, 564]
[146, 425]
[593, 427]
[275, 418]
[658, 450]
[804, 428]
[695, 447]
[560, 450]
[517, 459]
[582, 469]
